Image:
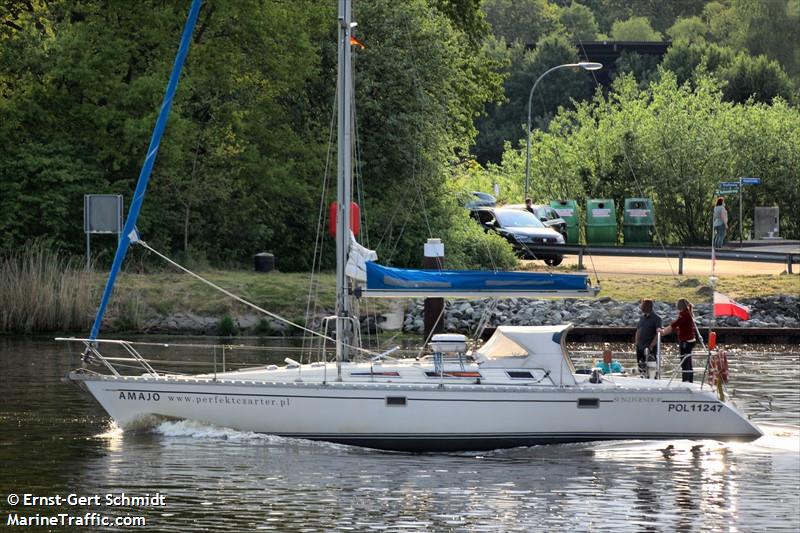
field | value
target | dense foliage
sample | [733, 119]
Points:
[721, 104]
[82, 84]
[246, 154]
[671, 143]
[751, 46]
[241, 164]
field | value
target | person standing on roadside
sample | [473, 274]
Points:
[686, 337]
[645, 338]
[529, 205]
[720, 222]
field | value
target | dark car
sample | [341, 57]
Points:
[521, 228]
[480, 199]
[547, 215]
[551, 218]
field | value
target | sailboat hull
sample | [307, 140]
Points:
[419, 418]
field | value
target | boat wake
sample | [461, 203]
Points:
[783, 437]
[112, 432]
[201, 431]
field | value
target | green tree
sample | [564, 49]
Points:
[745, 76]
[770, 28]
[671, 143]
[689, 60]
[521, 21]
[634, 29]
[419, 87]
[467, 16]
[579, 22]
[661, 14]
[493, 125]
[643, 67]
[691, 29]
[507, 121]
[98, 74]
[755, 77]
[240, 162]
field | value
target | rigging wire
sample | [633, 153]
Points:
[431, 333]
[488, 310]
[370, 311]
[420, 195]
[655, 226]
[551, 268]
[639, 188]
[242, 300]
[319, 240]
[596, 84]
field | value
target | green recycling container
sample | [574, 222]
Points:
[568, 210]
[601, 222]
[638, 222]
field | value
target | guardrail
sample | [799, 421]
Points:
[788, 259]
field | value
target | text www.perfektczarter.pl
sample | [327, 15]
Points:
[67, 520]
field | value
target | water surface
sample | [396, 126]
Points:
[56, 440]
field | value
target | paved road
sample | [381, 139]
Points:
[669, 266]
[781, 248]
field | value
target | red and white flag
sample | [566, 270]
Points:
[724, 306]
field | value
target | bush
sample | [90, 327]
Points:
[469, 247]
[226, 327]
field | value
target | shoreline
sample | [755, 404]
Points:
[771, 317]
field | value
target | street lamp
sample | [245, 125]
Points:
[585, 65]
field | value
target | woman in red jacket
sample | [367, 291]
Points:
[686, 337]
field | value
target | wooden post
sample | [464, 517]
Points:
[434, 307]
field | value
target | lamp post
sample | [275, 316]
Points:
[584, 65]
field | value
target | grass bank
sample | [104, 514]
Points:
[286, 294]
[632, 287]
[43, 292]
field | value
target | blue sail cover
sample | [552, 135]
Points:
[388, 281]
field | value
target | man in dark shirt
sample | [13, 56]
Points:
[529, 205]
[645, 337]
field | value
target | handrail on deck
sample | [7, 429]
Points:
[91, 353]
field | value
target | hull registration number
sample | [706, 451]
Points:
[693, 408]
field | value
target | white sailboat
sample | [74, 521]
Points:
[520, 388]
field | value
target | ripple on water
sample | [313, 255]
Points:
[55, 439]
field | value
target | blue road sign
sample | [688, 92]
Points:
[729, 184]
[751, 181]
[725, 192]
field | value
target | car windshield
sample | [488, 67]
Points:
[512, 218]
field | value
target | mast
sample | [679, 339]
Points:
[343, 184]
